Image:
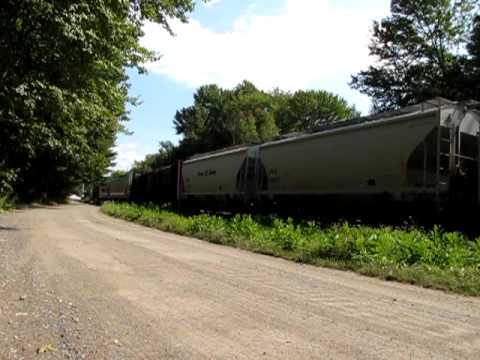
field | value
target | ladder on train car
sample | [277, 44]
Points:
[457, 170]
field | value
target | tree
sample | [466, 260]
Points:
[245, 115]
[63, 86]
[306, 110]
[202, 124]
[220, 118]
[419, 49]
[474, 43]
[472, 72]
[250, 117]
[166, 155]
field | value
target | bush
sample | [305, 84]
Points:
[6, 203]
[444, 260]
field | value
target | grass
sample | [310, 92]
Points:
[6, 203]
[433, 259]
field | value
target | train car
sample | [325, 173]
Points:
[213, 177]
[158, 186]
[423, 153]
[118, 188]
[417, 154]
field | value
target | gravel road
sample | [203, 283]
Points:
[75, 283]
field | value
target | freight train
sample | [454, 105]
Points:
[422, 154]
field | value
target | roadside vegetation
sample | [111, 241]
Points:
[6, 203]
[433, 259]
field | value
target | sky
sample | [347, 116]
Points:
[285, 44]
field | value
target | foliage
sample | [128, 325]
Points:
[420, 50]
[6, 203]
[474, 44]
[472, 68]
[221, 117]
[443, 260]
[165, 156]
[63, 86]
[306, 110]
[118, 174]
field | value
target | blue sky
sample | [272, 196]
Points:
[289, 44]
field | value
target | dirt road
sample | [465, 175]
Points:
[92, 287]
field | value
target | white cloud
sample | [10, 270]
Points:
[126, 155]
[307, 44]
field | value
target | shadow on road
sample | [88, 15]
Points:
[7, 228]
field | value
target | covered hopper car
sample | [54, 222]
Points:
[118, 188]
[426, 153]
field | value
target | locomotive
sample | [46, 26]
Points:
[422, 154]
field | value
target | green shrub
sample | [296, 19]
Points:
[443, 260]
[6, 203]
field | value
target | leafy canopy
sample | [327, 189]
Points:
[223, 117]
[64, 88]
[166, 155]
[421, 53]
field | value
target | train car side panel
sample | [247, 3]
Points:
[212, 175]
[368, 160]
